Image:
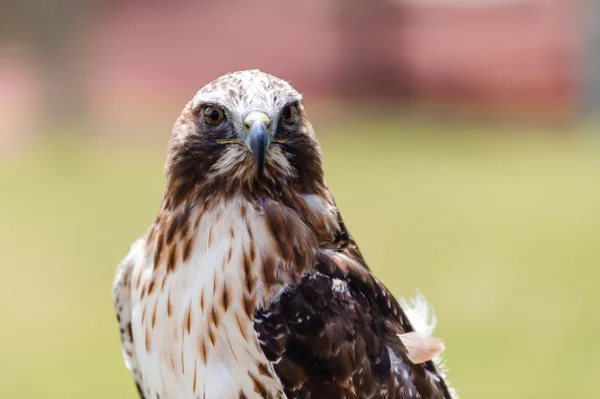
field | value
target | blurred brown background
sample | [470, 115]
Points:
[460, 139]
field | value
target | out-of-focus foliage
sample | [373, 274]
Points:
[499, 229]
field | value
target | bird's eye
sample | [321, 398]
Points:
[213, 115]
[289, 114]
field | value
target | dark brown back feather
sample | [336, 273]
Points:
[334, 335]
[331, 343]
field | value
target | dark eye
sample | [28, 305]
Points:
[213, 115]
[289, 114]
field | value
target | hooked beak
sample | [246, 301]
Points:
[257, 125]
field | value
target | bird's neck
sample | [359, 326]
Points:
[273, 240]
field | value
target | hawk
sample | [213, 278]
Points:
[248, 284]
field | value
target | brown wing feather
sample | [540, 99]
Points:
[336, 335]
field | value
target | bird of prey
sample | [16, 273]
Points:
[248, 284]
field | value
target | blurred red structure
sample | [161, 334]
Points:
[512, 53]
[503, 54]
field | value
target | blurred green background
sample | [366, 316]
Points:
[460, 141]
[500, 231]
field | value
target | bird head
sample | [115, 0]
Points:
[245, 132]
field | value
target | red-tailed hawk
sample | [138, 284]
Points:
[248, 284]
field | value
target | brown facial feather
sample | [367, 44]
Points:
[193, 151]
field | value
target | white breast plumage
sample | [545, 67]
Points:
[191, 328]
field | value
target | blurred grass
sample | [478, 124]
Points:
[499, 227]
